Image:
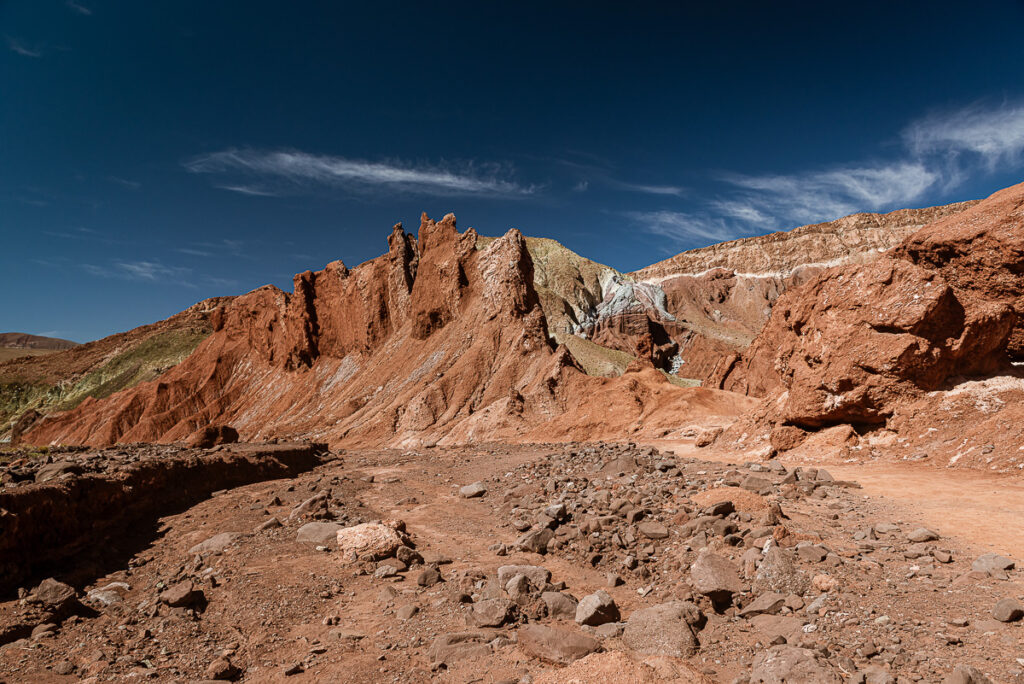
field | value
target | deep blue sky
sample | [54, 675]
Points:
[156, 153]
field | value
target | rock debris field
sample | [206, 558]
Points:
[542, 563]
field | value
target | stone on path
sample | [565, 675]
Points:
[472, 491]
[555, 645]
[667, 629]
[597, 609]
[368, 541]
[320, 533]
[1008, 610]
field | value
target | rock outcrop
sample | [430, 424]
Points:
[855, 341]
[435, 340]
[720, 297]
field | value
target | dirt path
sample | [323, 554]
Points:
[984, 510]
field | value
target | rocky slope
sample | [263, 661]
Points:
[61, 380]
[858, 344]
[720, 297]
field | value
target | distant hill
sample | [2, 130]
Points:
[17, 345]
[15, 340]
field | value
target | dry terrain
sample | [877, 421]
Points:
[663, 566]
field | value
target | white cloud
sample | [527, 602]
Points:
[85, 11]
[124, 182]
[20, 48]
[142, 271]
[651, 189]
[994, 135]
[248, 190]
[302, 170]
[683, 228]
[829, 194]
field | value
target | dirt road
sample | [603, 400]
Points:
[984, 510]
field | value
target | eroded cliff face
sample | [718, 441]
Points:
[858, 342]
[721, 296]
[435, 341]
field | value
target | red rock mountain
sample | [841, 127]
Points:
[856, 343]
[437, 340]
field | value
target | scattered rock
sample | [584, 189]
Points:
[319, 533]
[1008, 610]
[597, 609]
[215, 544]
[222, 669]
[779, 573]
[368, 541]
[966, 674]
[668, 629]
[472, 491]
[923, 534]
[535, 541]
[560, 606]
[784, 663]
[716, 577]
[428, 577]
[182, 595]
[993, 564]
[538, 575]
[653, 530]
[555, 645]
[491, 612]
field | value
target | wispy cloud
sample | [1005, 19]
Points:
[208, 249]
[291, 170]
[828, 194]
[20, 48]
[651, 189]
[682, 228]
[124, 182]
[142, 271]
[994, 136]
[80, 9]
[193, 252]
[248, 190]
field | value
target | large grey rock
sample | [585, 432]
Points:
[472, 491]
[54, 595]
[448, 648]
[51, 471]
[993, 564]
[491, 612]
[779, 573]
[597, 609]
[215, 544]
[561, 606]
[535, 540]
[923, 534]
[791, 665]
[1008, 610]
[716, 577]
[538, 575]
[768, 603]
[966, 674]
[668, 629]
[319, 533]
[555, 645]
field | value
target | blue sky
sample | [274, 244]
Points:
[153, 154]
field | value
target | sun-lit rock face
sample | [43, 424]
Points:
[857, 341]
[440, 339]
